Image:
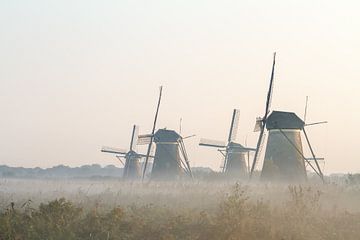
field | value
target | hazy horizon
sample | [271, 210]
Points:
[76, 75]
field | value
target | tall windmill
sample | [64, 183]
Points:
[170, 160]
[234, 153]
[132, 169]
[284, 158]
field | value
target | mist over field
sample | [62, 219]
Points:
[198, 209]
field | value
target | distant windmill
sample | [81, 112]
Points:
[132, 169]
[284, 158]
[170, 160]
[234, 153]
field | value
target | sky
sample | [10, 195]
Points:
[76, 75]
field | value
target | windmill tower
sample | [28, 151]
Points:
[170, 160]
[284, 158]
[132, 169]
[284, 151]
[234, 153]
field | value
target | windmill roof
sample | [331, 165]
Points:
[235, 145]
[164, 135]
[284, 120]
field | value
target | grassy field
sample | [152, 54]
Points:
[111, 209]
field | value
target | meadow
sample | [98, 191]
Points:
[112, 209]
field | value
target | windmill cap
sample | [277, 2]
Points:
[235, 145]
[165, 135]
[284, 120]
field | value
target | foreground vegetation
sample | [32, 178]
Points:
[239, 212]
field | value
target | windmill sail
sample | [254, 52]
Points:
[212, 143]
[114, 150]
[258, 124]
[242, 149]
[315, 123]
[152, 133]
[185, 156]
[134, 138]
[267, 108]
[319, 172]
[234, 125]
[144, 139]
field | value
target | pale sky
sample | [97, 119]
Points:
[76, 75]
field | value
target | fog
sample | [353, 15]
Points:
[114, 209]
[197, 194]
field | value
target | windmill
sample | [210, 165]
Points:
[234, 153]
[284, 158]
[132, 169]
[170, 159]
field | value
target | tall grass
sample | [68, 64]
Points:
[185, 211]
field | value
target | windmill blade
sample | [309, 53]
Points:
[313, 156]
[114, 150]
[144, 139]
[190, 136]
[151, 155]
[258, 124]
[222, 164]
[234, 125]
[226, 159]
[315, 123]
[317, 159]
[267, 108]
[318, 172]
[257, 152]
[152, 149]
[249, 149]
[222, 152]
[143, 155]
[152, 133]
[180, 126]
[248, 157]
[119, 158]
[134, 138]
[186, 158]
[243, 149]
[305, 115]
[258, 162]
[212, 143]
[306, 108]
[248, 162]
[271, 87]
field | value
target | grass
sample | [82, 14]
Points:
[118, 210]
